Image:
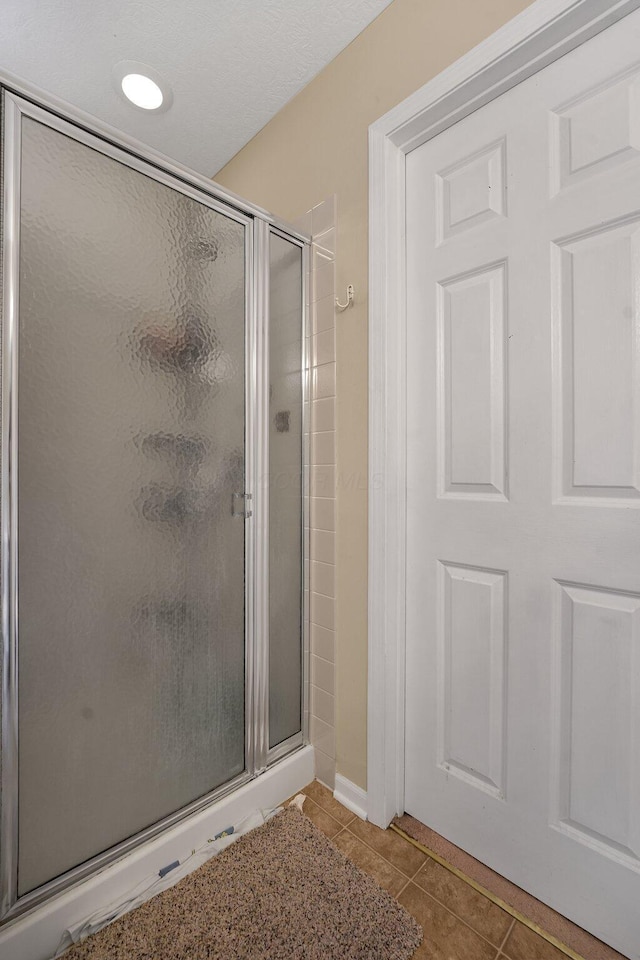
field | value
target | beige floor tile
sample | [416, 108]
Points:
[459, 922]
[404, 856]
[370, 862]
[323, 821]
[523, 944]
[478, 911]
[325, 799]
[445, 936]
[581, 942]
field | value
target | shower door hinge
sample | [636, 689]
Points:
[244, 513]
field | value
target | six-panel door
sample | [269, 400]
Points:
[523, 564]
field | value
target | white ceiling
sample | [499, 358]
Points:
[232, 64]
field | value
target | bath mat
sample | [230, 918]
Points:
[282, 892]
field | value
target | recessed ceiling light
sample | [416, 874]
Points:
[142, 91]
[141, 85]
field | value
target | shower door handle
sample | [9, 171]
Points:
[243, 513]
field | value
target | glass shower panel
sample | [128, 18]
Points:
[131, 446]
[285, 490]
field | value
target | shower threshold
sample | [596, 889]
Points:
[36, 934]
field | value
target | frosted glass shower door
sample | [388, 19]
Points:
[286, 567]
[131, 460]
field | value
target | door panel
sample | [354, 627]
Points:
[523, 541]
[285, 490]
[472, 604]
[131, 440]
[597, 378]
[597, 797]
[471, 317]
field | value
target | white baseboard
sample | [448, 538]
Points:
[350, 796]
[36, 935]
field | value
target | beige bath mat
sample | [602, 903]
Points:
[282, 892]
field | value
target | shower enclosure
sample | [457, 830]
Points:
[153, 398]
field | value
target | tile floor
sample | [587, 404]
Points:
[459, 923]
[582, 943]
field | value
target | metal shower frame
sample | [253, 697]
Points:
[22, 100]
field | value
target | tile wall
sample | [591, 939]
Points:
[320, 222]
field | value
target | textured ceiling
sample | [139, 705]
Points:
[232, 64]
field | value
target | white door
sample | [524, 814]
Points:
[523, 562]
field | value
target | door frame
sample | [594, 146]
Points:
[541, 34]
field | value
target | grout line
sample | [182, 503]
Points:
[321, 805]
[349, 821]
[449, 910]
[506, 937]
[410, 879]
[457, 916]
[397, 897]
[316, 366]
[324, 810]
[382, 856]
[325, 595]
[531, 924]
[416, 873]
[324, 659]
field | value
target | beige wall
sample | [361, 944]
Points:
[317, 146]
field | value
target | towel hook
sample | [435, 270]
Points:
[350, 294]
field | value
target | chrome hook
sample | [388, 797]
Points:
[350, 295]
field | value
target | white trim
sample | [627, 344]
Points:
[542, 33]
[351, 796]
[36, 935]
